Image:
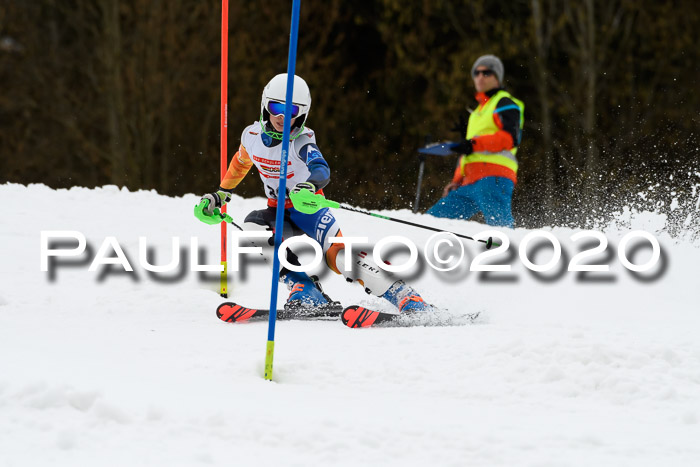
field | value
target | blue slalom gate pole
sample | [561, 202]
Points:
[282, 191]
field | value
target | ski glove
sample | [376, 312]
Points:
[303, 186]
[460, 126]
[216, 200]
[465, 147]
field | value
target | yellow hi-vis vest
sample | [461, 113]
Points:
[481, 122]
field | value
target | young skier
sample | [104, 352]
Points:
[261, 145]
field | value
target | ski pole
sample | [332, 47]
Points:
[311, 202]
[308, 203]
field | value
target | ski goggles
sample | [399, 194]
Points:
[277, 108]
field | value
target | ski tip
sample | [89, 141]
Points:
[358, 317]
[232, 312]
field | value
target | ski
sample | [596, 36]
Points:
[360, 317]
[234, 313]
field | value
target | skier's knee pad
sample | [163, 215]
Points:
[374, 279]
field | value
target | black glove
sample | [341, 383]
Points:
[465, 147]
[460, 126]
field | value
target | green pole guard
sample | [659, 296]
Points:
[216, 218]
[307, 202]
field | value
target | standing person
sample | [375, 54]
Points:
[261, 145]
[486, 173]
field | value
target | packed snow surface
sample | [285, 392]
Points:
[115, 368]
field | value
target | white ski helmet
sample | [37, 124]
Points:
[276, 92]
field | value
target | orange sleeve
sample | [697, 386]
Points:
[458, 175]
[237, 169]
[499, 141]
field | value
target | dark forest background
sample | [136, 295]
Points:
[127, 93]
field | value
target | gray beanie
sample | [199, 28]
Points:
[492, 63]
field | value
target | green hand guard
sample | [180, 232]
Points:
[307, 202]
[216, 218]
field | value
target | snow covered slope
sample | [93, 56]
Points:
[130, 368]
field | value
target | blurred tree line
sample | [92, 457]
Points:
[126, 92]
